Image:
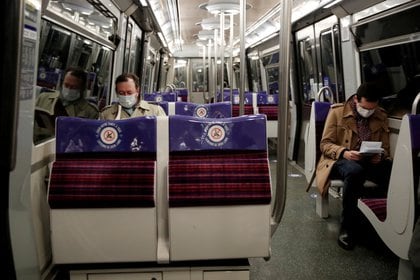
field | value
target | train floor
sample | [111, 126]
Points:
[304, 245]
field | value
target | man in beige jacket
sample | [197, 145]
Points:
[127, 87]
[347, 125]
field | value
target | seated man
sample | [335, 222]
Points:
[347, 125]
[70, 101]
[129, 104]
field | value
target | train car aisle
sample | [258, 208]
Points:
[305, 245]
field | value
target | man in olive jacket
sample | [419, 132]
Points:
[69, 101]
[347, 125]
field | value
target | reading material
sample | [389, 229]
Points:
[371, 147]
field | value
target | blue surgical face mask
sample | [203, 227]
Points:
[365, 113]
[70, 95]
[127, 101]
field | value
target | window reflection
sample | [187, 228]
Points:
[60, 49]
[398, 69]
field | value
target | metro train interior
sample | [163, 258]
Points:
[222, 186]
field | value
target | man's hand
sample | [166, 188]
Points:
[352, 155]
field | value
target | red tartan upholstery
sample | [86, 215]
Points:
[378, 206]
[204, 179]
[248, 110]
[101, 182]
[269, 110]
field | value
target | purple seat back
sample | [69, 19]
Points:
[415, 131]
[235, 95]
[211, 110]
[321, 113]
[104, 164]
[267, 99]
[77, 135]
[182, 94]
[161, 96]
[238, 133]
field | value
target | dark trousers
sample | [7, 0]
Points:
[354, 174]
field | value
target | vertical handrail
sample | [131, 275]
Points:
[222, 53]
[415, 104]
[231, 57]
[282, 125]
[242, 24]
[334, 61]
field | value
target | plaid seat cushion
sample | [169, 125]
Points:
[269, 110]
[218, 156]
[218, 180]
[378, 206]
[248, 110]
[102, 183]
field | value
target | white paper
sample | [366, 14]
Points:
[371, 147]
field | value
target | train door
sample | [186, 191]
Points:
[20, 21]
[318, 62]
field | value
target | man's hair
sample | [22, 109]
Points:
[78, 73]
[125, 78]
[370, 91]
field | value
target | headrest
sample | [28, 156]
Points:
[265, 99]
[188, 133]
[235, 95]
[77, 135]
[160, 96]
[211, 110]
[415, 131]
[321, 110]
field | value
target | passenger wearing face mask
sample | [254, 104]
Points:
[347, 125]
[69, 101]
[127, 87]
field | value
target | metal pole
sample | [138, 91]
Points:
[215, 65]
[204, 71]
[222, 53]
[242, 26]
[231, 57]
[281, 169]
[210, 71]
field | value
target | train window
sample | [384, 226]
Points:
[198, 84]
[148, 73]
[255, 73]
[271, 59]
[331, 65]
[60, 49]
[92, 16]
[180, 78]
[273, 79]
[398, 70]
[402, 23]
[127, 49]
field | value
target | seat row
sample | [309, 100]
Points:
[160, 189]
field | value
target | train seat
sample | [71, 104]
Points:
[219, 188]
[267, 104]
[161, 96]
[319, 113]
[394, 217]
[211, 110]
[182, 94]
[102, 191]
